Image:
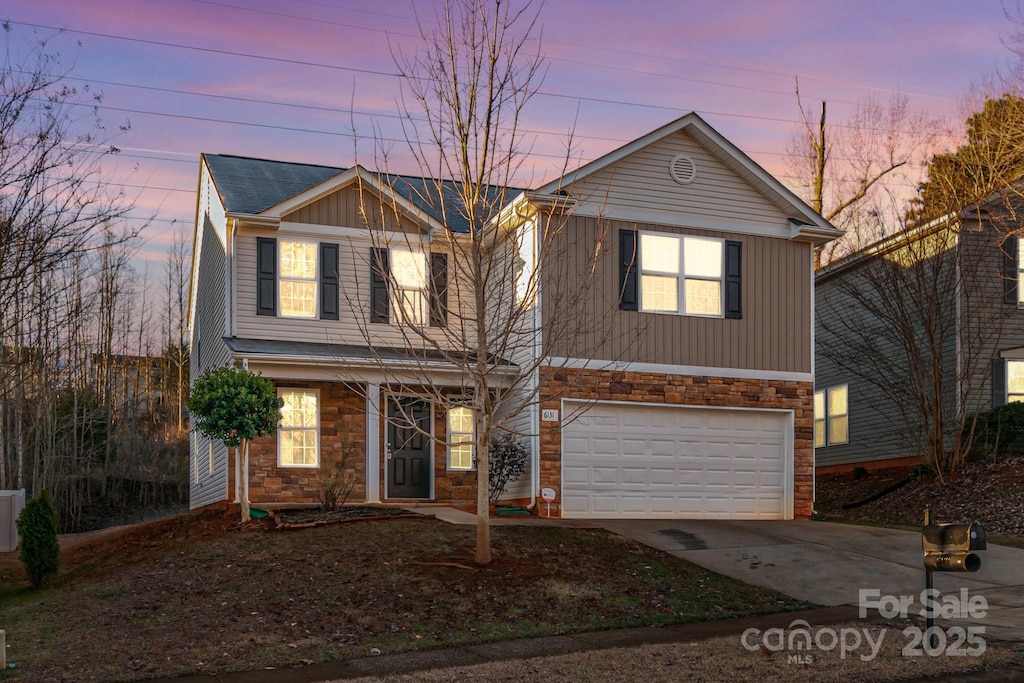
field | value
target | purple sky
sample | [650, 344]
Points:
[616, 69]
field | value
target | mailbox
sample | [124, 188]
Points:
[949, 547]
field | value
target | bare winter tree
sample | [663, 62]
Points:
[464, 96]
[849, 172]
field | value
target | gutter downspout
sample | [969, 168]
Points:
[535, 354]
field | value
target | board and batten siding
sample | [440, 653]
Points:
[641, 184]
[208, 484]
[343, 209]
[774, 333]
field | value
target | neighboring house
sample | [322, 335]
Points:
[914, 334]
[692, 396]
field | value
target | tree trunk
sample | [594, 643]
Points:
[482, 556]
[245, 482]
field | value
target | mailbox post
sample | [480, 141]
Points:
[948, 548]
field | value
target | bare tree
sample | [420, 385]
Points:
[849, 172]
[464, 96]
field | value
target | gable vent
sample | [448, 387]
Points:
[683, 169]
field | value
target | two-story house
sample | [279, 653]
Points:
[691, 395]
[914, 335]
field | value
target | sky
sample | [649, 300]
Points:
[314, 81]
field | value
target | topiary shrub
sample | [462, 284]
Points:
[508, 460]
[37, 527]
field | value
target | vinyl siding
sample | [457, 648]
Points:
[878, 429]
[773, 334]
[354, 276]
[642, 184]
[208, 330]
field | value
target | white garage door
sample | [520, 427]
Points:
[622, 461]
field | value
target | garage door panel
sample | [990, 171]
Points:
[637, 461]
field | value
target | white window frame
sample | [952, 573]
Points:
[819, 420]
[211, 457]
[395, 288]
[1012, 396]
[449, 433]
[281, 278]
[681, 276]
[827, 416]
[281, 429]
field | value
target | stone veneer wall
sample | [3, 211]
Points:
[343, 425]
[644, 387]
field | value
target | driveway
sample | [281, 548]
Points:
[829, 564]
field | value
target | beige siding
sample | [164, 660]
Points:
[773, 334]
[641, 184]
[342, 209]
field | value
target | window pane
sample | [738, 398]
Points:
[298, 447]
[411, 306]
[704, 297]
[837, 429]
[461, 456]
[659, 253]
[409, 268]
[702, 257]
[460, 421]
[298, 298]
[837, 401]
[819, 433]
[298, 259]
[819, 405]
[659, 293]
[1015, 376]
[299, 409]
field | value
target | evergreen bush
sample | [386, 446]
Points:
[37, 527]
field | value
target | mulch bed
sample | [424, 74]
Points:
[305, 518]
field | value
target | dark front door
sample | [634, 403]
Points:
[408, 448]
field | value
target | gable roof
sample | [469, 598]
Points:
[805, 221]
[254, 186]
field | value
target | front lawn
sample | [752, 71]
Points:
[189, 595]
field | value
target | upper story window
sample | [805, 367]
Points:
[1019, 274]
[298, 282]
[831, 416]
[408, 286]
[681, 274]
[297, 278]
[409, 295]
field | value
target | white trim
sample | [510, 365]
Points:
[666, 369]
[788, 445]
[310, 368]
[373, 443]
[281, 430]
[332, 233]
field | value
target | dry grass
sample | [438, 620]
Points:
[192, 594]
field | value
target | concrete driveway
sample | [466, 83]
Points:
[829, 564]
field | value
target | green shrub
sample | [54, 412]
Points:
[37, 527]
[860, 472]
[999, 431]
[508, 460]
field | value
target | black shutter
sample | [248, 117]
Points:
[438, 290]
[1009, 273]
[998, 382]
[629, 299]
[733, 279]
[266, 276]
[378, 285]
[329, 291]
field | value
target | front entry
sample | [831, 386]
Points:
[409, 466]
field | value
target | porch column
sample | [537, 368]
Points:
[372, 443]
